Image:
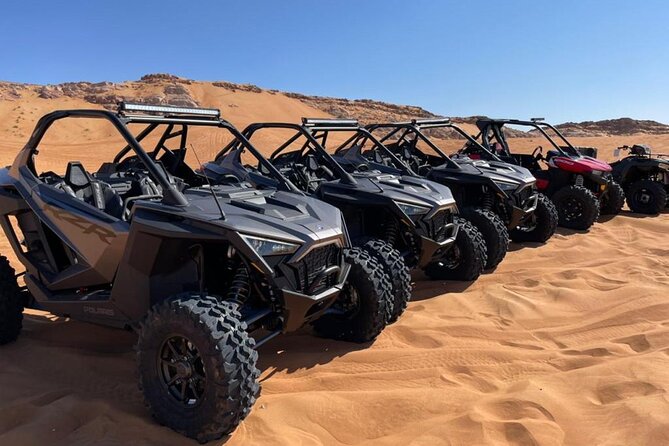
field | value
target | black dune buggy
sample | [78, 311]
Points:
[199, 271]
[580, 186]
[500, 199]
[415, 218]
[644, 177]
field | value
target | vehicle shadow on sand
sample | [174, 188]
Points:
[90, 345]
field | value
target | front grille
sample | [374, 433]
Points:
[436, 226]
[523, 195]
[317, 260]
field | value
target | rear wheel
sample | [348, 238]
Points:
[577, 207]
[466, 258]
[494, 232]
[541, 225]
[361, 311]
[11, 303]
[393, 263]
[646, 197]
[613, 200]
[197, 366]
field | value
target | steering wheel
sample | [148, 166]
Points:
[537, 154]
[230, 178]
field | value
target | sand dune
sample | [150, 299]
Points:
[565, 343]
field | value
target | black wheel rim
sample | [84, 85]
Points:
[181, 370]
[572, 208]
[350, 306]
[643, 196]
[453, 259]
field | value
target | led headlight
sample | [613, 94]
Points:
[266, 247]
[412, 209]
[507, 186]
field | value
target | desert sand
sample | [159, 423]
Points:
[564, 343]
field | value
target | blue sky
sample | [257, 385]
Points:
[564, 60]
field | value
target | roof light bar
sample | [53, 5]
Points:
[330, 122]
[537, 119]
[432, 121]
[125, 107]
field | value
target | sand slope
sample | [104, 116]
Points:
[565, 343]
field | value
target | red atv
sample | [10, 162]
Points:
[580, 186]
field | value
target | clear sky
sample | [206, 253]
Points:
[563, 60]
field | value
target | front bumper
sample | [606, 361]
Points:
[432, 250]
[300, 308]
[520, 213]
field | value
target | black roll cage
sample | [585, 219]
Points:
[239, 141]
[415, 126]
[171, 195]
[309, 129]
[538, 124]
[360, 136]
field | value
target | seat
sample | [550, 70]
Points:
[94, 192]
[551, 153]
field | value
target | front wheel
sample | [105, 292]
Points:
[362, 309]
[11, 304]
[614, 199]
[646, 197]
[465, 260]
[398, 272]
[578, 208]
[494, 232]
[197, 366]
[541, 225]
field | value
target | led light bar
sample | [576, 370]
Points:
[167, 109]
[537, 119]
[330, 122]
[433, 121]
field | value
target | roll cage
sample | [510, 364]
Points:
[309, 130]
[404, 130]
[495, 125]
[173, 122]
[171, 195]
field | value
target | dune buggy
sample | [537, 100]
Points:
[416, 217]
[580, 186]
[644, 178]
[205, 274]
[498, 198]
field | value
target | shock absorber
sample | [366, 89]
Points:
[391, 230]
[487, 200]
[240, 286]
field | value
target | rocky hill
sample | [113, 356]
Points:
[616, 127]
[167, 89]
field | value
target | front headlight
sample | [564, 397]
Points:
[411, 209]
[266, 247]
[507, 187]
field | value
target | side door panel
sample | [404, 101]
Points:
[96, 239]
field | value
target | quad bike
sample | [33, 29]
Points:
[416, 218]
[204, 274]
[500, 199]
[579, 186]
[644, 178]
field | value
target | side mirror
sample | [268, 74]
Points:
[616, 152]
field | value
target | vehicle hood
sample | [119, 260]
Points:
[266, 213]
[405, 188]
[582, 164]
[476, 169]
